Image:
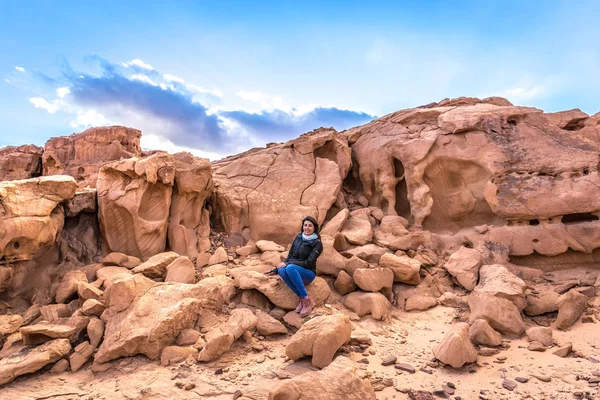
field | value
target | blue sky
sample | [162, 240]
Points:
[219, 77]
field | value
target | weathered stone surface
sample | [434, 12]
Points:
[134, 197]
[10, 324]
[456, 349]
[370, 253]
[538, 304]
[188, 337]
[176, 354]
[156, 266]
[189, 220]
[20, 162]
[219, 256]
[336, 223]
[330, 262]
[121, 260]
[84, 200]
[220, 339]
[248, 186]
[267, 245]
[83, 352]
[368, 303]
[320, 337]
[406, 269]
[420, 302]
[181, 270]
[268, 325]
[358, 230]
[564, 350]
[449, 299]
[60, 366]
[69, 284]
[339, 380]
[92, 307]
[500, 282]
[391, 228]
[464, 266]
[540, 334]
[278, 292]
[30, 361]
[143, 316]
[53, 312]
[570, 307]
[501, 314]
[62, 328]
[95, 331]
[374, 279]
[482, 333]
[32, 217]
[344, 283]
[82, 154]
[87, 291]
[108, 274]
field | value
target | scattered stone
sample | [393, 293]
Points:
[405, 367]
[563, 350]
[536, 346]
[456, 349]
[521, 379]
[482, 333]
[570, 307]
[488, 351]
[509, 385]
[543, 378]
[60, 367]
[388, 360]
[540, 334]
[82, 353]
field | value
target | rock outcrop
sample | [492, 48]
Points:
[20, 162]
[82, 154]
[134, 197]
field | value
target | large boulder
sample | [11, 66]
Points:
[363, 303]
[405, 269]
[464, 265]
[278, 292]
[541, 303]
[248, 186]
[501, 314]
[320, 337]
[32, 216]
[482, 333]
[143, 317]
[22, 162]
[60, 328]
[134, 197]
[570, 307]
[500, 282]
[357, 230]
[156, 266]
[189, 225]
[335, 225]
[220, 339]
[330, 262]
[32, 360]
[81, 155]
[456, 349]
[337, 381]
[391, 228]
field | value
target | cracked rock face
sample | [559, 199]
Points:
[270, 190]
[22, 162]
[461, 163]
[134, 197]
[82, 154]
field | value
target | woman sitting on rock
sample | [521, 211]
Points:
[300, 266]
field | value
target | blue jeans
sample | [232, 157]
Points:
[296, 277]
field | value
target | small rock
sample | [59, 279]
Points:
[405, 367]
[189, 386]
[509, 385]
[389, 360]
[588, 319]
[536, 346]
[521, 379]
[543, 378]
[563, 350]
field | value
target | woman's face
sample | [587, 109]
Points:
[308, 228]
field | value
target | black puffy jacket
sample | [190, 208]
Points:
[304, 253]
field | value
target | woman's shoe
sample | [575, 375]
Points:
[307, 307]
[300, 304]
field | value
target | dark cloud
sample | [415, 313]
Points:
[144, 98]
[278, 125]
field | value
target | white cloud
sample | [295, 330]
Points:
[214, 92]
[40, 102]
[264, 100]
[525, 93]
[151, 141]
[143, 78]
[89, 118]
[173, 78]
[138, 63]
[20, 69]
[62, 92]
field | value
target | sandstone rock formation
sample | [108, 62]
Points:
[189, 225]
[134, 197]
[320, 337]
[248, 187]
[20, 162]
[82, 154]
[456, 348]
[337, 381]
